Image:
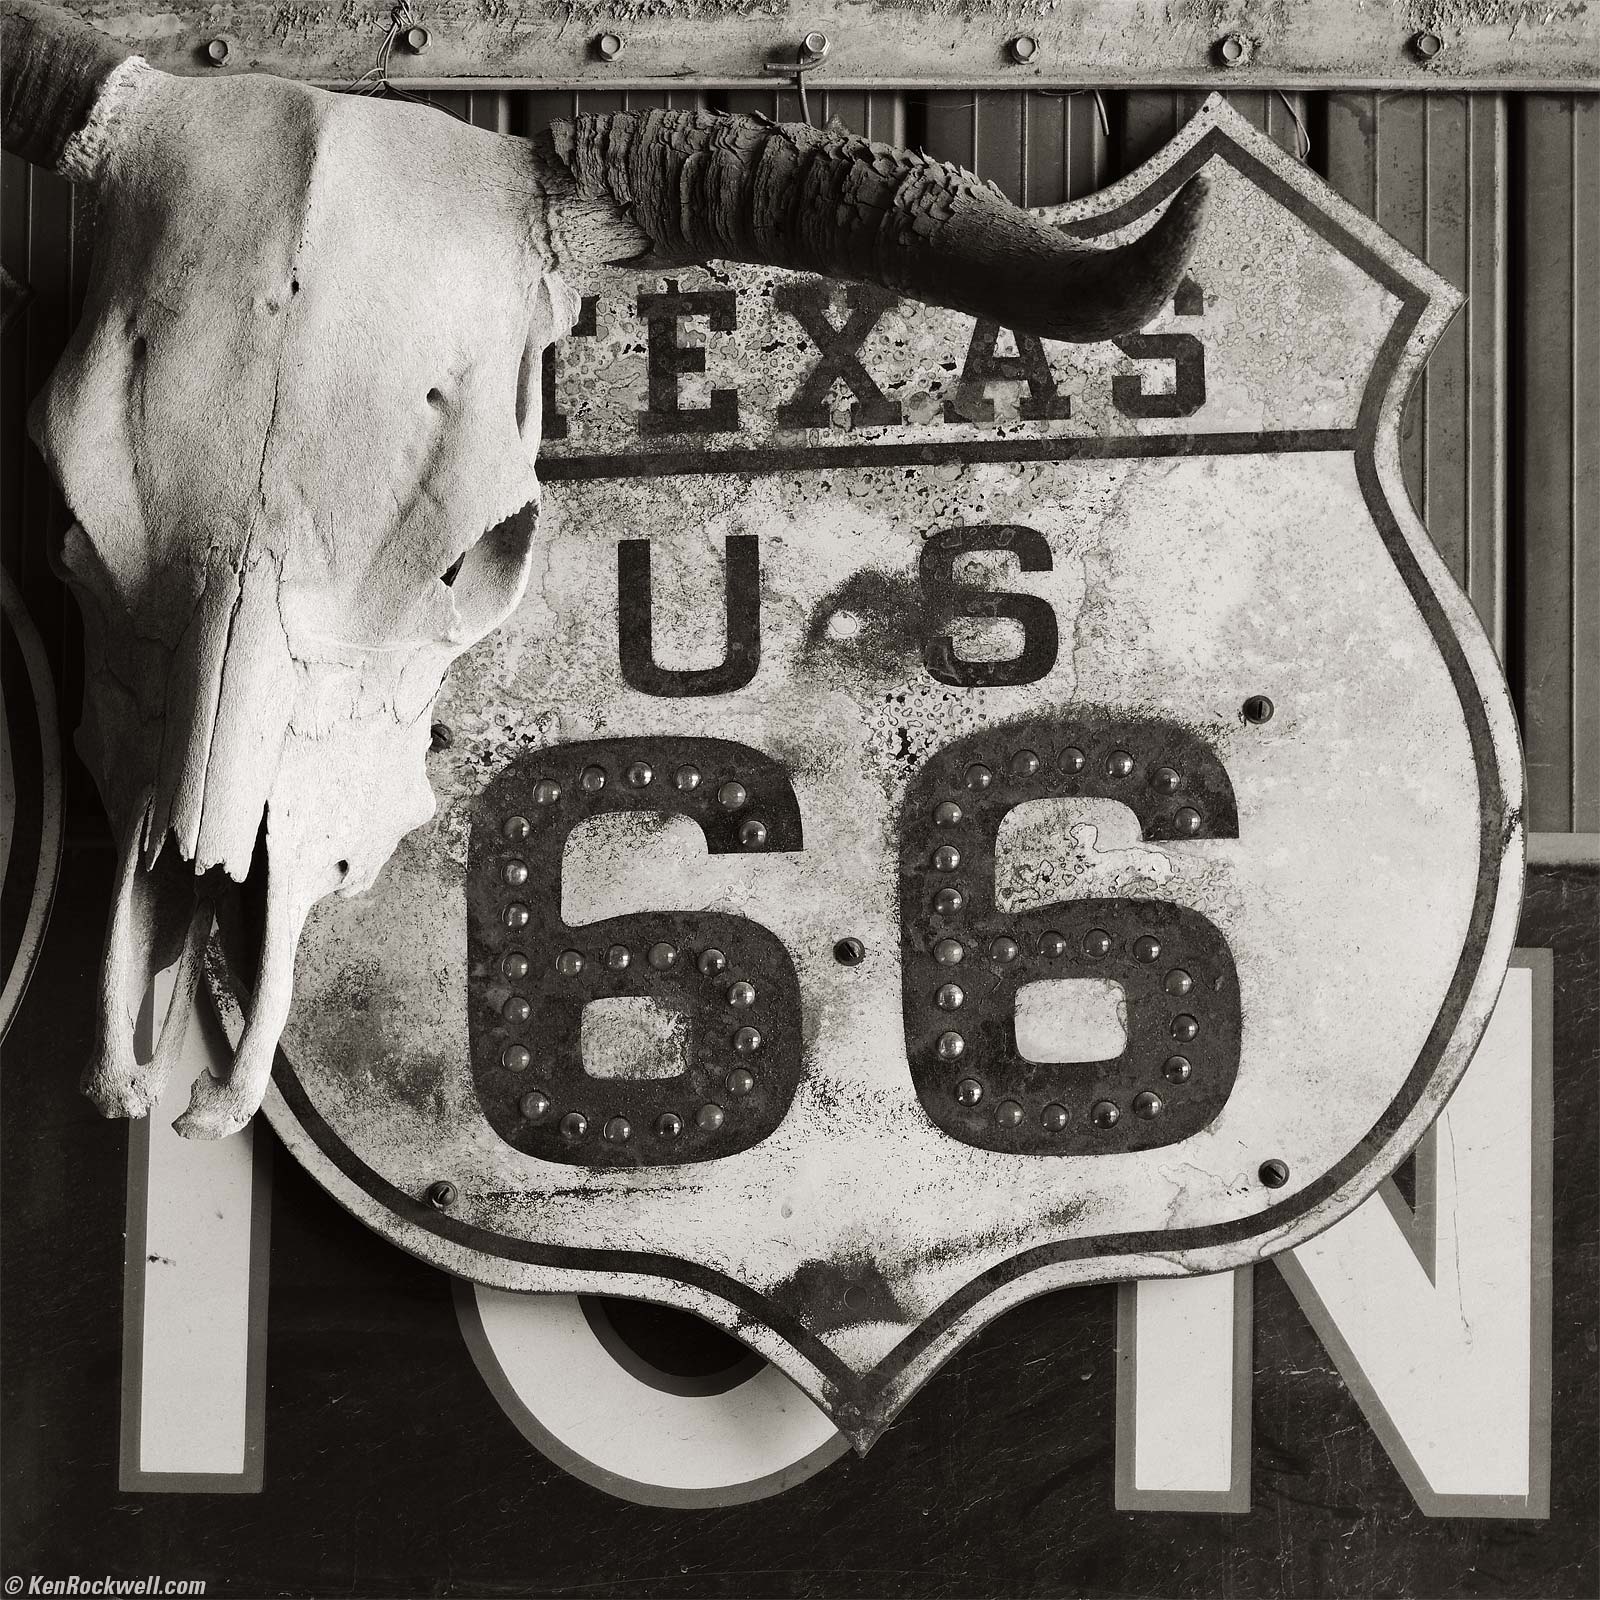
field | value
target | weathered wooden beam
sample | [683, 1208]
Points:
[1414, 44]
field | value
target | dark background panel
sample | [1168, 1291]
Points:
[390, 1470]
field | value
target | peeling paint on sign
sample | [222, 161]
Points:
[883, 682]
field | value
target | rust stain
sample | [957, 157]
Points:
[868, 629]
[1168, 583]
[828, 1295]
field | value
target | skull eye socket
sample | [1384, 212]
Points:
[486, 580]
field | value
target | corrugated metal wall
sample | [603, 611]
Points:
[1502, 439]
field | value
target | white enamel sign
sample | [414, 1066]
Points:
[953, 817]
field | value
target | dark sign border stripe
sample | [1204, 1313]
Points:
[860, 1404]
[933, 453]
[754, 1306]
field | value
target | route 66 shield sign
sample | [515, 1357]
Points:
[953, 817]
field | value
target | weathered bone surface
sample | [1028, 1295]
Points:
[297, 430]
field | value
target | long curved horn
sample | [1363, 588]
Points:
[704, 186]
[55, 70]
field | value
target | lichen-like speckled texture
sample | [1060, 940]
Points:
[1182, 584]
[1255, 267]
[1352, 875]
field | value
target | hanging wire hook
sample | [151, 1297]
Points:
[1302, 138]
[376, 80]
[1072, 94]
[813, 52]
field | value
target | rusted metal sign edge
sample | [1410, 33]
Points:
[857, 44]
[375, 1089]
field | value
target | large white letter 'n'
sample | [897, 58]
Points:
[1436, 1315]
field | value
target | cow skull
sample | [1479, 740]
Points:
[297, 429]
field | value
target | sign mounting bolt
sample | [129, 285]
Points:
[1425, 46]
[416, 40]
[217, 51]
[442, 1195]
[815, 45]
[1233, 50]
[609, 46]
[1023, 49]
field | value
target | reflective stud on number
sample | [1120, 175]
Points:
[1082, 1108]
[1025, 821]
[645, 1120]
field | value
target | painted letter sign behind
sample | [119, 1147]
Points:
[954, 816]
